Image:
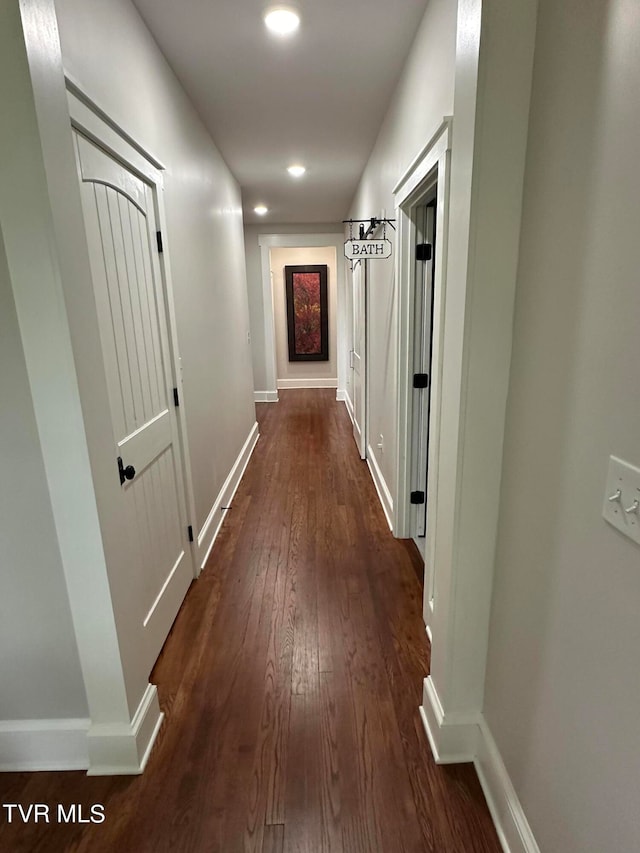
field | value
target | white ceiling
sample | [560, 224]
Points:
[317, 98]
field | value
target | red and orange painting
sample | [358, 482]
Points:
[307, 312]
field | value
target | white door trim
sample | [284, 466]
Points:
[94, 123]
[432, 164]
[298, 241]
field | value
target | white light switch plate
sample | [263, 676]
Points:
[626, 478]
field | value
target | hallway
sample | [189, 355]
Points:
[291, 682]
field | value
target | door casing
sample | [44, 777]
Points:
[431, 167]
[96, 126]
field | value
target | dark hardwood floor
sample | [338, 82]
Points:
[291, 682]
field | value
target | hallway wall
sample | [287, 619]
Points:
[39, 664]
[108, 50]
[563, 693]
[303, 370]
[423, 97]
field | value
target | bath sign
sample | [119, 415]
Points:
[357, 250]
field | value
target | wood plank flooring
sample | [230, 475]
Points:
[291, 682]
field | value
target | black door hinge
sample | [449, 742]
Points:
[190, 533]
[420, 380]
[423, 252]
[176, 398]
[417, 497]
[159, 241]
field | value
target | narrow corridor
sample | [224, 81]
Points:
[291, 682]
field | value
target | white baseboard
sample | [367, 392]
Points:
[265, 396]
[341, 395]
[123, 749]
[506, 809]
[381, 487]
[212, 525]
[348, 404]
[453, 738]
[458, 738]
[117, 749]
[30, 745]
[307, 383]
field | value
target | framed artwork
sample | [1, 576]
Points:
[307, 312]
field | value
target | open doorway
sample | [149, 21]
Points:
[292, 269]
[424, 218]
[270, 305]
[421, 212]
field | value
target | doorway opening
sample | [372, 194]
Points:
[274, 303]
[304, 293]
[425, 259]
[422, 215]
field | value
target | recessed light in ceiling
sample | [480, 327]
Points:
[261, 209]
[296, 171]
[282, 20]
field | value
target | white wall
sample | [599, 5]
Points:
[107, 49]
[562, 693]
[424, 95]
[303, 370]
[40, 672]
[255, 289]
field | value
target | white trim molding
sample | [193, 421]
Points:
[424, 161]
[382, 489]
[81, 95]
[453, 737]
[349, 405]
[106, 749]
[341, 395]
[307, 383]
[431, 165]
[456, 738]
[265, 396]
[123, 749]
[212, 525]
[31, 745]
[506, 809]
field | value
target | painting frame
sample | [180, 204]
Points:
[293, 320]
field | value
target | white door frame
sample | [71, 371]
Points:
[94, 123]
[432, 164]
[363, 426]
[300, 241]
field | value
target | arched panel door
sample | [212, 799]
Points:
[153, 571]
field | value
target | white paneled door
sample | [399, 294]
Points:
[359, 352]
[121, 232]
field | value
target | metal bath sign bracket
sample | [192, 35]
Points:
[356, 250]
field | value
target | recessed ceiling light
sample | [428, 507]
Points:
[260, 209]
[296, 171]
[282, 20]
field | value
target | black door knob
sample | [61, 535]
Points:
[127, 473]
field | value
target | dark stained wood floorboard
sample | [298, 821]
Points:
[291, 682]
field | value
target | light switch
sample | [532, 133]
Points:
[622, 498]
